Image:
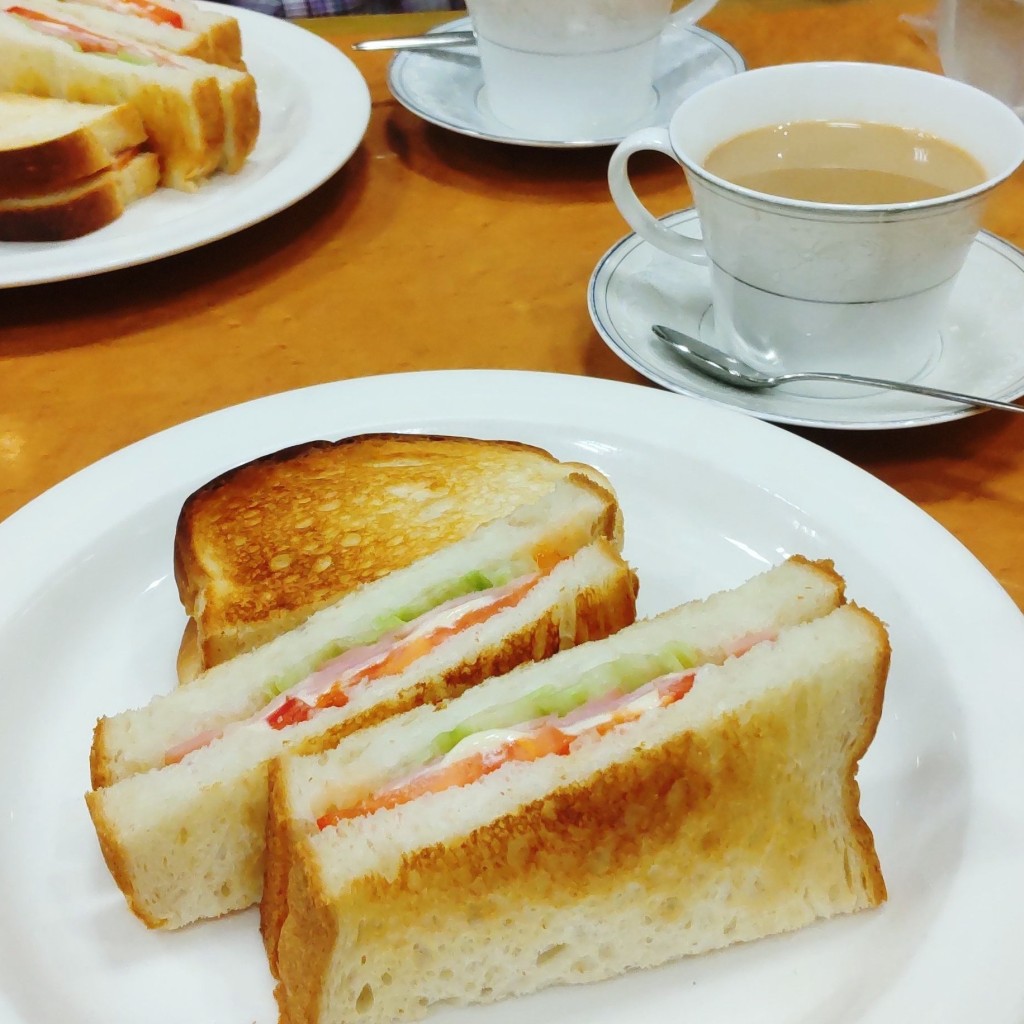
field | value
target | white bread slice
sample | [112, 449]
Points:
[186, 841]
[728, 816]
[205, 35]
[237, 89]
[79, 209]
[47, 144]
[793, 592]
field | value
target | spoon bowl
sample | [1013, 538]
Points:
[726, 369]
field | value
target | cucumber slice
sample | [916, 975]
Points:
[472, 582]
[626, 673]
[286, 680]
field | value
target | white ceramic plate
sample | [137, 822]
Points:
[446, 86]
[314, 108]
[979, 350]
[90, 621]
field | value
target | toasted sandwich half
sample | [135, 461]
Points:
[181, 27]
[68, 168]
[260, 548]
[606, 810]
[199, 116]
[179, 797]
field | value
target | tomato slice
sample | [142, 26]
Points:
[154, 12]
[676, 688]
[460, 773]
[406, 652]
[463, 772]
[291, 712]
[89, 42]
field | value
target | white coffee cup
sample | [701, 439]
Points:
[801, 285]
[571, 70]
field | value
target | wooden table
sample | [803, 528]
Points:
[433, 251]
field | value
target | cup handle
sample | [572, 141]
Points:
[634, 212]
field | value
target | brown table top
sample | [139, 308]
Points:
[390, 267]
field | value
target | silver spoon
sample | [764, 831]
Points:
[430, 40]
[728, 369]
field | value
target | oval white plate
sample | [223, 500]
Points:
[979, 351]
[90, 622]
[314, 109]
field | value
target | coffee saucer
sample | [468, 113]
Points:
[445, 86]
[978, 351]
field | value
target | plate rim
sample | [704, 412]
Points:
[794, 469]
[682, 386]
[398, 62]
[258, 30]
[733, 428]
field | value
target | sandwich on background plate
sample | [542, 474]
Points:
[179, 26]
[67, 169]
[686, 784]
[180, 786]
[199, 116]
[260, 548]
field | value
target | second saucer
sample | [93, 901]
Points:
[445, 86]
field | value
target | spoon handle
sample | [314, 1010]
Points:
[916, 389]
[431, 40]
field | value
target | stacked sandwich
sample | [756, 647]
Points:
[68, 168]
[174, 69]
[467, 773]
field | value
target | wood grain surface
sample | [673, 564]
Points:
[429, 250]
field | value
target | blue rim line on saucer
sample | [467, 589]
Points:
[461, 65]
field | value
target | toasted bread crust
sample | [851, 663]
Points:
[50, 165]
[718, 824]
[99, 757]
[96, 203]
[241, 123]
[222, 44]
[81, 215]
[598, 614]
[261, 547]
[117, 864]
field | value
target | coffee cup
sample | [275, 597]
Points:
[805, 284]
[571, 70]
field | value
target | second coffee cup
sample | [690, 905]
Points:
[571, 70]
[845, 281]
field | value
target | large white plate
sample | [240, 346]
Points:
[314, 108]
[89, 624]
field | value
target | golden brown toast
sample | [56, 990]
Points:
[730, 815]
[260, 548]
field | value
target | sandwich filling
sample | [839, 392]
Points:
[397, 641]
[87, 41]
[147, 9]
[549, 721]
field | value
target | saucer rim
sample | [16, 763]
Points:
[690, 384]
[407, 100]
